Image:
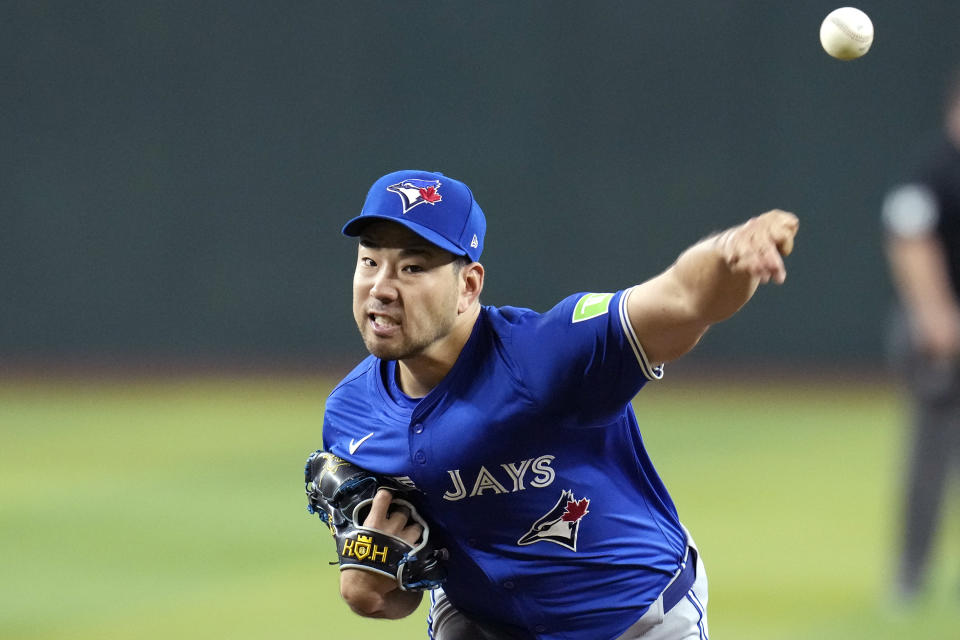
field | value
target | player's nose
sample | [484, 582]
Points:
[383, 287]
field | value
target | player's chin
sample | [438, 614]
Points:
[384, 349]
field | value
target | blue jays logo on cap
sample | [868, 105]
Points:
[415, 192]
[453, 221]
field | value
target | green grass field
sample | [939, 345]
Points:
[174, 509]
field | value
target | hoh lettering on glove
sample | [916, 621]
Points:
[373, 530]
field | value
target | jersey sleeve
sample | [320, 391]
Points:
[582, 357]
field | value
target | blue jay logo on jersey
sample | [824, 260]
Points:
[415, 192]
[561, 524]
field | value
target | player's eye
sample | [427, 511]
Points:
[368, 262]
[414, 268]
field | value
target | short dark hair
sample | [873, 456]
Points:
[459, 262]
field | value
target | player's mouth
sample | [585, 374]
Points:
[383, 326]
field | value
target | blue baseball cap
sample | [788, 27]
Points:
[439, 209]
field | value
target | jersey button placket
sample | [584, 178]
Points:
[416, 429]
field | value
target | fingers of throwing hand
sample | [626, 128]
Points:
[783, 229]
[756, 246]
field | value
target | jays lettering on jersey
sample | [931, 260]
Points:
[529, 465]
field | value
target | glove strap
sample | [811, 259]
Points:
[371, 550]
[415, 567]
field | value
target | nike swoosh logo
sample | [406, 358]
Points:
[356, 445]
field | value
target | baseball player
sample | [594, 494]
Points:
[508, 437]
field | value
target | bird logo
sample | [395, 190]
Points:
[561, 524]
[415, 192]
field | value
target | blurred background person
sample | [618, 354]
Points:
[921, 219]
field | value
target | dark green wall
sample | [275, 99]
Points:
[173, 175]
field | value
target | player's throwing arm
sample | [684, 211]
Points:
[709, 282]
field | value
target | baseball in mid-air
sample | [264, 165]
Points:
[846, 33]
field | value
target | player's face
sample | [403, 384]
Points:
[405, 292]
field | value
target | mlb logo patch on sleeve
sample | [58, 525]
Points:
[591, 305]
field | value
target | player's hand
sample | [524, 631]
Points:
[373, 595]
[757, 247]
[391, 518]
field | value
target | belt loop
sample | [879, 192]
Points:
[683, 581]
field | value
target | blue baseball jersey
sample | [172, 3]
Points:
[529, 466]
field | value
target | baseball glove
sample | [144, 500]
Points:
[341, 493]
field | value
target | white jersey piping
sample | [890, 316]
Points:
[651, 372]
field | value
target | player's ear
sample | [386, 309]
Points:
[471, 284]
